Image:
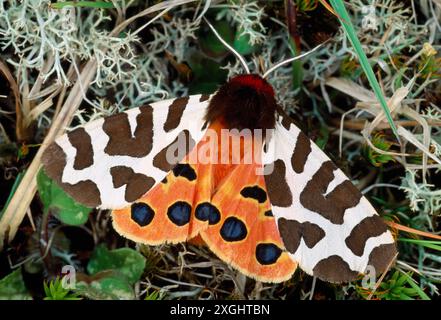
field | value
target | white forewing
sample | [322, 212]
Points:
[167, 120]
[328, 227]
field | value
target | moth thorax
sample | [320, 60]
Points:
[245, 102]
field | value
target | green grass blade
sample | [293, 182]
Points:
[345, 20]
[14, 188]
[417, 241]
[436, 245]
[297, 68]
[412, 283]
[83, 4]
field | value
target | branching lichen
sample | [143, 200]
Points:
[247, 16]
[424, 198]
[36, 32]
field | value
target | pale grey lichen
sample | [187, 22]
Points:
[247, 16]
[36, 31]
[146, 81]
[424, 198]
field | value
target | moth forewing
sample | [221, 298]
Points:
[111, 162]
[324, 221]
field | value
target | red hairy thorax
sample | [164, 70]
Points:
[244, 102]
[253, 81]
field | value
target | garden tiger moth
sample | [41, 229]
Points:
[300, 210]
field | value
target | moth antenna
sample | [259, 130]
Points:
[241, 59]
[278, 65]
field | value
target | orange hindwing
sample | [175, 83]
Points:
[165, 213]
[226, 204]
[246, 236]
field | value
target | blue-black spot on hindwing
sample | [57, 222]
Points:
[254, 192]
[233, 229]
[207, 212]
[179, 213]
[142, 214]
[267, 253]
[184, 170]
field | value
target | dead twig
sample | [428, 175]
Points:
[20, 129]
[360, 124]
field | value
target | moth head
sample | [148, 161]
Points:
[253, 81]
[244, 102]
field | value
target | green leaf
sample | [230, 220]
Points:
[113, 273]
[56, 291]
[211, 45]
[418, 290]
[11, 193]
[106, 286]
[155, 295]
[323, 137]
[207, 74]
[345, 20]
[375, 158]
[47, 291]
[127, 261]
[405, 297]
[84, 4]
[57, 201]
[12, 287]
[242, 43]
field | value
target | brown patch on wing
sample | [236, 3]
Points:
[381, 257]
[204, 97]
[137, 183]
[81, 141]
[175, 112]
[121, 142]
[369, 227]
[333, 205]
[334, 269]
[54, 162]
[286, 122]
[312, 234]
[85, 192]
[278, 189]
[179, 151]
[301, 153]
[292, 231]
